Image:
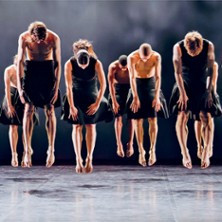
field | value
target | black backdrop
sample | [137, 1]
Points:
[115, 27]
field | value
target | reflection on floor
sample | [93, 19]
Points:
[111, 193]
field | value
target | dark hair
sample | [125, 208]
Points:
[83, 58]
[38, 29]
[123, 60]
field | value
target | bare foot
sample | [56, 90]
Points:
[152, 158]
[211, 152]
[120, 151]
[142, 159]
[14, 161]
[199, 151]
[88, 166]
[23, 156]
[187, 161]
[129, 150]
[205, 161]
[27, 162]
[50, 159]
[79, 166]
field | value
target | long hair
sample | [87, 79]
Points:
[38, 29]
[84, 44]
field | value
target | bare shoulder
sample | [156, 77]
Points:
[52, 35]
[157, 55]
[133, 56]
[68, 64]
[211, 46]
[10, 70]
[25, 36]
[113, 65]
[177, 51]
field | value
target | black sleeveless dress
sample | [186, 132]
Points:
[85, 93]
[19, 110]
[194, 74]
[146, 93]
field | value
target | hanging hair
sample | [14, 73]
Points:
[82, 57]
[84, 44]
[38, 29]
[123, 60]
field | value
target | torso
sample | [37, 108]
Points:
[144, 69]
[39, 51]
[121, 76]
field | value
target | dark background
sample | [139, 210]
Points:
[115, 27]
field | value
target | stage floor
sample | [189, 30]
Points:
[111, 193]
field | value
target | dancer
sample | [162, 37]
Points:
[84, 103]
[119, 86]
[12, 111]
[193, 60]
[198, 125]
[40, 84]
[147, 98]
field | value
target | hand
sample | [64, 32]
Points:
[135, 105]
[55, 96]
[11, 111]
[115, 106]
[156, 104]
[209, 100]
[21, 95]
[73, 113]
[92, 109]
[182, 102]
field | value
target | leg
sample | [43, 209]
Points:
[13, 139]
[30, 138]
[90, 144]
[131, 128]
[207, 122]
[51, 133]
[118, 131]
[182, 135]
[153, 129]
[139, 138]
[212, 139]
[77, 142]
[27, 128]
[198, 135]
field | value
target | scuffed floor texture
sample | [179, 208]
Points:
[111, 193]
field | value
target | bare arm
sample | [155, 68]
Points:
[102, 81]
[177, 63]
[68, 82]
[69, 92]
[132, 76]
[7, 87]
[215, 77]
[20, 67]
[57, 58]
[210, 64]
[111, 81]
[158, 76]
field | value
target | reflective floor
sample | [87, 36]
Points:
[111, 193]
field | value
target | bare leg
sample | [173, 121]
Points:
[130, 149]
[118, 131]
[77, 142]
[90, 144]
[51, 133]
[27, 126]
[198, 135]
[23, 141]
[13, 139]
[139, 138]
[182, 135]
[212, 139]
[207, 122]
[153, 129]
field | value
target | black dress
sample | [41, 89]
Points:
[146, 94]
[194, 74]
[19, 109]
[85, 93]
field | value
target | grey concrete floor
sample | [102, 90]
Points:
[111, 193]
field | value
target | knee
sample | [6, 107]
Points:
[206, 120]
[119, 121]
[29, 111]
[77, 127]
[182, 119]
[90, 127]
[13, 128]
[50, 112]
